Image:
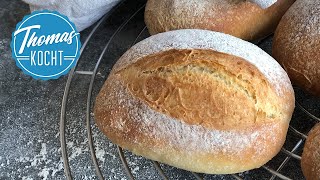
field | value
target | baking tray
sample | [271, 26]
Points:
[127, 20]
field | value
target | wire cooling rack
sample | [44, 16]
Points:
[286, 165]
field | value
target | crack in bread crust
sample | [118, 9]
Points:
[131, 119]
[166, 82]
[134, 125]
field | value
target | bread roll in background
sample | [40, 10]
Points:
[198, 100]
[296, 44]
[248, 20]
[310, 161]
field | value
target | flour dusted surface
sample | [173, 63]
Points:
[304, 19]
[296, 44]
[131, 123]
[203, 39]
[178, 134]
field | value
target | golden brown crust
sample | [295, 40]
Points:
[131, 110]
[297, 45]
[310, 161]
[242, 19]
[165, 81]
[138, 107]
[130, 123]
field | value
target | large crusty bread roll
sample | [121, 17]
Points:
[198, 100]
[310, 160]
[297, 44]
[248, 20]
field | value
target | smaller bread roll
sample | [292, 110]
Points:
[198, 100]
[248, 20]
[296, 44]
[310, 161]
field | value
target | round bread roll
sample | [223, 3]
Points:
[198, 100]
[248, 20]
[310, 161]
[297, 45]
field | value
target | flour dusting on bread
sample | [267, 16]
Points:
[204, 39]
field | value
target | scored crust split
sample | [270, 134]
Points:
[197, 100]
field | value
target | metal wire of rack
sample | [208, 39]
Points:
[275, 173]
